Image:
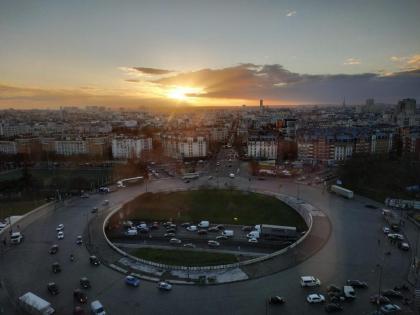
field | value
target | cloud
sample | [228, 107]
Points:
[407, 63]
[352, 61]
[152, 71]
[132, 80]
[291, 13]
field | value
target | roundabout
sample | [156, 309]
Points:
[347, 231]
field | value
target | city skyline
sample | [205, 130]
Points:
[134, 54]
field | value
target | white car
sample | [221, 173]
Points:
[60, 235]
[189, 245]
[60, 227]
[231, 175]
[212, 243]
[252, 240]
[386, 230]
[163, 285]
[192, 228]
[396, 236]
[175, 241]
[315, 298]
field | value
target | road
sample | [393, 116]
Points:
[355, 247]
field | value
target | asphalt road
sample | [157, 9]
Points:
[355, 247]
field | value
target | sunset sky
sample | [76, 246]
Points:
[129, 53]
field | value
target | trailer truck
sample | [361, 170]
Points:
[342, 191]
[34, 305]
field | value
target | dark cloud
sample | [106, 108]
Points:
[132, 80]
[251, 81]
[152, 71]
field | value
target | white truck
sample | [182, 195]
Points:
[34, 305]
[342, 191]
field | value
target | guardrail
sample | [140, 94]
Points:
[294, 203]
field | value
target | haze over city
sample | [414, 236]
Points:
[207, 53]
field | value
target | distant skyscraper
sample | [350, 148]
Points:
[370, 102]
[261, 105]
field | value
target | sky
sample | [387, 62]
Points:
[218, 52]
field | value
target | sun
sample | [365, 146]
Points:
[182, 93]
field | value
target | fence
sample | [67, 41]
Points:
[300, 207]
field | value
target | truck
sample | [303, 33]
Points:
[276, 232]
[342, 191]
[34, 305]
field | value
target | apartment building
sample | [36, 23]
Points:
[125, 148]
[182, 146]
[262, 145]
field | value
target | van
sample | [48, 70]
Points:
[349, 292]
[204, 224]
[309, 281]
[253, 234]
[228, 233]
[96, 308]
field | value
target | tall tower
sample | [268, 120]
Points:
[261, 105]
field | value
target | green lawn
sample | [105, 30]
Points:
[217, 206]
[8, 208]
[184, 257]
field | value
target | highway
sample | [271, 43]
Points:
[355, 247]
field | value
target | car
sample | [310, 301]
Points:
[333, 288]
[175, 241]
[132, 281]
[392, 294]
[202, 232]
[357, 284]
[144, 230]
[169, 234]
[16, 238]
[192, 228]
[396, 236]
[96, 308]
[79, 240]
[220, 227]
[56, 268]
[403, 246]
[276, 300]
[315, 298]
[84, 283]
[94, 210]
[185, 224]
[247, 228]
[379, 299]
[54, 249]
[333, 307]
[79, 296]
[386, 230]
[212, 243]
[78, 311]
[60, 235]
[309, 281]
[218, 164]
[94, 260]
[221, 237]
[170, 230]
[213, 229]
[390, 309]
[60, 227]
[189, 245]
[349, 292]
[395, 227]
[84, 196]
[164, 286]
[52, 288]
[154, 226]
[252, 240]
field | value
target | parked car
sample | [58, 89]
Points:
[404, 246]
[154, 226]
[54, 249]
[221, 237]
[175, 241]
[56, 268]
[247, 228]
[189, 245]
[276, 300]
[213, 229]
[202, 232]
[333, 307]
[396, 236]
[185, 224]
[192, 228]
[212, 243]
[379, 299]
[252, 240]
[79, 240]
[392, 294]
[349, 292]
[220, 227]
[79, 296]
[60, 235]
[395, 227]
[386, 230]
[169, 234]
[78, 311]
[315, 298]
[309, 281]
[170, 230]
[333, 288]
[94, 210]
[390, 309]
[165, 286]
[94, 260]
[60, 227]
[357, 284]
[96, 308]
[52, 288]
[85, 283]
[132, 281]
